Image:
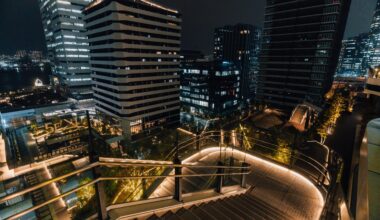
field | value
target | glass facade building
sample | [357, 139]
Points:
[374, 44]
[67, 45]
[300, 51]
[135, 62]
[210, 88]
[353, 59]
[240, 44]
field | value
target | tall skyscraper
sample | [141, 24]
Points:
[67, 45]
[300, 50]
[353, 59]
[240, 44]
[135, 62]
[374, 44]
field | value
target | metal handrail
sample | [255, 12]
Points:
[113, 164]
[274, 145]
[205, 135]
[20, 214]
[320, 168]
[210, 135]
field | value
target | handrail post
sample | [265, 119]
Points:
[101, 196]
[219, 178]
[242, 141]
[244, 169]
[99, 186]
[177, 172]
[178, 180]
[197, 141]
[221, 137]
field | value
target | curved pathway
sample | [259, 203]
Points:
[280, 189]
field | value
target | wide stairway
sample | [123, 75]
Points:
[274, 192]
[245, 206]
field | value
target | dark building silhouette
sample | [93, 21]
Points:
[300, 50]
[190, 55]
[240, 44]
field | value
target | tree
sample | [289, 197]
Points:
[33, 127]
[323, 132]
[86, 193]
[284, 152]
[331, 116]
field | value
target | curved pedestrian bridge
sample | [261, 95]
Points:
[272, 192]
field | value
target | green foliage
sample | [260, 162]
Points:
[331, 116]
[33, 127]
[86, 205]
[126, 190]
[283, 154]
[86, 193]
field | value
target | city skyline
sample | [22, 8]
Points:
[197, 30]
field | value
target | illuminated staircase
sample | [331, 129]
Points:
[244, 206]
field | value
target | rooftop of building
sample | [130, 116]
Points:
[30, 98]
[145, 2]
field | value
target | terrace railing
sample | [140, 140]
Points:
[324, 174]
[99, 179]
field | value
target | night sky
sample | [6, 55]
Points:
[20, 25]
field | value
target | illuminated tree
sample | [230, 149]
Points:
[323, 132]
[283, 153]
[331, 116]
[33, 127]
[86, 193]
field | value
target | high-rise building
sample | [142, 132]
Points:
[374, 43]
[135, 62]
[20, 54]
[67, 45]
[240, 44]
[373, 83]
[353, 59]
[210, 88]
[36, 55]
[300, 50]
[191, 55]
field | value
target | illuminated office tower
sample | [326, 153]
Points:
[135, 62]
[300, 51]
[353, 60]
[210, 88]
[67, 45]
[240, 44]
[374, 44]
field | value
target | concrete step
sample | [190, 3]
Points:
[253, 209]
[271, 212]
[169, 215]
[224, 210]
[201, 214]
[212, 211]
[187, 214]
[239, 209]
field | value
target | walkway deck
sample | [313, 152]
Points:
[278, 187]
